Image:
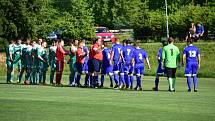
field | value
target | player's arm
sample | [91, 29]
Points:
[163, 58]
[183, 59]
[199, 60]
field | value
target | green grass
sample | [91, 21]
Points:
[47, 103]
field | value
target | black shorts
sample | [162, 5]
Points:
[79, 67]
[171, 72]
[94, 65]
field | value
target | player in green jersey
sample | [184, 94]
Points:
[72, 62]
[26, 60]
[9, 61]
[34, 58]
[43, 63]
[17, 64]
[52, 61]
[170, 60]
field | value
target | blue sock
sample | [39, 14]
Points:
[116, 78]
[102, 79]
[138, 81]
[189, 82]
[195, 82]
[121, 79]
[87, 79]
[111, 79]
[156, 82]
[127, 80]
[132, 80]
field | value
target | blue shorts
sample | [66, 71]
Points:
[161, 71]
[106, 69]
[139, 70]
[128, 68]
[85, 67]
[116, 66]
[191, 69]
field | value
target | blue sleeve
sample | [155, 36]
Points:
[184, 52]
[160, 53]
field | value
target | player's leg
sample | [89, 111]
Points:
[170, 80]
[97, 66]
[174, 78]
[9, 72]
[138, 78]
[21, 70]
[79, 69]
[131, 77]
[52, 72]
[59, 72]
[122, 75]
[72, 73]
[188, 74]
[27, 74]
[194, 74]
[126, 77]
[116, 74]
[104, 72]
[90, 72]
[110, 73]
[85, 69]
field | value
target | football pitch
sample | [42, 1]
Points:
[48, 103]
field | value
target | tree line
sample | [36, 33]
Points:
[77, 18]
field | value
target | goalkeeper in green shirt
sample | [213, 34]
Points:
[170, 60]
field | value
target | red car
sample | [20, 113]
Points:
[104, 34]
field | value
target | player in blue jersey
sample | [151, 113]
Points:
[85, 66]
[116, 61]
[191, 56]
[160, 70]
[127, 67]
[107, 67]
[139, 55]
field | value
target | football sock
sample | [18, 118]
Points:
[91, 80]
[156, 82]
[116, 78]
[102, 79]
[111, 79]
[189, 82]
[121, 79]
[78, 79]
[195, 82]
[170, 80]
[52, 76]
[71, 77]
[138, 81]
[173, 83]
[127, 80]
[87, 79]
[132, 80]
[44, 77]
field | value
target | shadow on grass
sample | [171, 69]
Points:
[83, 87]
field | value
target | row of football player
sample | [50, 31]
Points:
[120, 62]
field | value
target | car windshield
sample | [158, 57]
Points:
[101, 30]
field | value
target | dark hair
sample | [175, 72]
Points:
[95, 40]
[105, 43]
[126, 41]
[190, 40]
[164, 43]
[170, 40]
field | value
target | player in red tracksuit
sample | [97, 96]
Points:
[60, 52]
